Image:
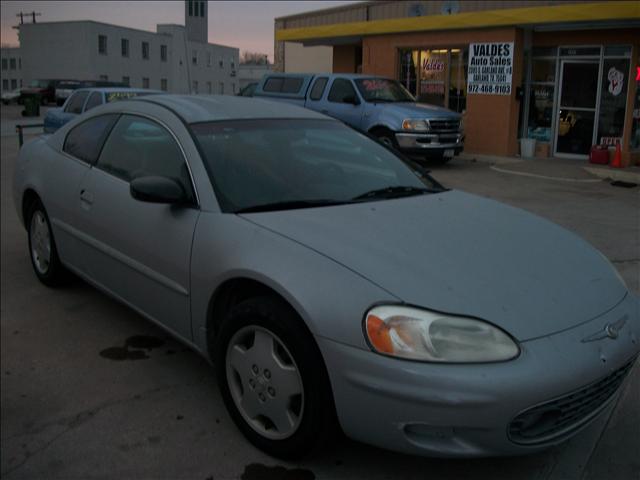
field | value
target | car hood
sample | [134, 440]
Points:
[422, 110]
[459, 253]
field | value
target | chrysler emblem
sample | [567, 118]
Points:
[611, 330]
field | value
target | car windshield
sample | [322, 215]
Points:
[272, 164]
[377, 90]
[39, 84]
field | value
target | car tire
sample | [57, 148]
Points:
[42, 247]
[273, 379]
[439, 160]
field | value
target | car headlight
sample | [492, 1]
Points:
[416, 334]
[415, 125]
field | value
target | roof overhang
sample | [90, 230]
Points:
[579, 13]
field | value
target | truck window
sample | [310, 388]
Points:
[282, 85]
[318, 88]
[341, 89]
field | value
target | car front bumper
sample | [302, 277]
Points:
[468, 410]
[430, 143]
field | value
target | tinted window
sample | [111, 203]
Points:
[76, 102]
[85, 140]
[341, 89]
[138, 147]
[273, 84]
[318, 88]
[283, 85]
[94, 100]
[255, 163]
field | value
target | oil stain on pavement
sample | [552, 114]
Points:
[135, 348]
[257, 471]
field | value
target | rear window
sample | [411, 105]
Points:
[283, 85]
[85, 140]
[76, 102]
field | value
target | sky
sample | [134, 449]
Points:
[247, 25]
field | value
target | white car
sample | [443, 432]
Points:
[10, 96]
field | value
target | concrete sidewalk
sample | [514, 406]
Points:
[559, 169]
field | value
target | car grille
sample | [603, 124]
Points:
[444, 126]
[557, 417]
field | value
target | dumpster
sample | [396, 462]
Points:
[31, 106]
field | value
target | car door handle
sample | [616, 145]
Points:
[86, 197]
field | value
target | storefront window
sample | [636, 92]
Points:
[433, 70]
[541, 97]
[409, 69]
[436, 76]
[543, 70]
[613, 100]
[635, 129]
[540, 112]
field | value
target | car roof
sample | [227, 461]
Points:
[116, 90]
[207, 108]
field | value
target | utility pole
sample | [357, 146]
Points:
[33, 14]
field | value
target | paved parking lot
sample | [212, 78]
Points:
[77, 404]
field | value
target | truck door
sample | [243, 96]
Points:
[314, 101]
[343, 102]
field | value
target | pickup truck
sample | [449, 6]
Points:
[377, 106]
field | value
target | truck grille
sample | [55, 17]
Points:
[443, 126]
[557, 417]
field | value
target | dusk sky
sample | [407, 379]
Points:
[247, 25]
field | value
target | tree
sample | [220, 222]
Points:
[253, 58]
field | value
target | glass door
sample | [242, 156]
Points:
[575, 126]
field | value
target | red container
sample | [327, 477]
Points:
[599, 154]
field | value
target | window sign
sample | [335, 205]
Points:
[490, 68]
[613, 100]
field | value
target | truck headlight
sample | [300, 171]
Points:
[416, 334]
[415, 125]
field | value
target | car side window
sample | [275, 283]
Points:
[139, 147]
[85, 140]
[76, 102]
[94, 100]
[341, 89]
[318, 88]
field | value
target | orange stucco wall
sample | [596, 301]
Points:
[491, 121]
[344, 59]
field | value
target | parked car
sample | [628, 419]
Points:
[45, 89]
[328, 279]
[379, 106]
[10, 96]
[247, 90]
[64, 90]
[85, 99]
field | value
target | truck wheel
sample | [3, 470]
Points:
[439, 160]
[386, 137]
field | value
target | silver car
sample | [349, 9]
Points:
[329, 280]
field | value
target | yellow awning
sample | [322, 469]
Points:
[581, 12]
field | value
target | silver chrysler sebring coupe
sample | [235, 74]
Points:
[330, 281]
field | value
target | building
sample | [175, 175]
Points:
[250, 73]
[562, 72]
[11, 72]
[175, 58]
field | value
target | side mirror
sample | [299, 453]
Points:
[352, 99]
[157, 190]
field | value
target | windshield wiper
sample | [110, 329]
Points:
[290, 205]
[394, 192]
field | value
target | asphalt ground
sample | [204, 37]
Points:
[76, 405]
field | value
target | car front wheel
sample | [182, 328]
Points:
[42, 247]
[272, 378]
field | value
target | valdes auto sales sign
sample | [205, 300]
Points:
[490, 68]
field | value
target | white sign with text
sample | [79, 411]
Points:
[490, 68]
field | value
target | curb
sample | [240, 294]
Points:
[610, 174]
[546, 177]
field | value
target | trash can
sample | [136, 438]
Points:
[31, 106]
[527, 147]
